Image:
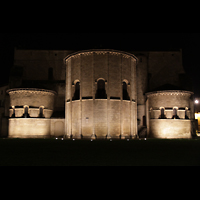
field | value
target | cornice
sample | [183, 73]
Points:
[27, 91]
[170, 93]
[100, 52]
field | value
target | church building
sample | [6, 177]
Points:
[98, 94]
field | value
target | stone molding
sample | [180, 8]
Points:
[99, 52]
[170, 92]
[27, 91]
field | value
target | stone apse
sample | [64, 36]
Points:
[170, 114]
[101, 95]
[30, 114]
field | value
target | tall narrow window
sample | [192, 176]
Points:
[144, 121]
[26, 115]
[162, 116]
[41, 115]
[101, 90]
[77, 92]
[125, 92]
[13, 115]
[175, 113]
[186, 114]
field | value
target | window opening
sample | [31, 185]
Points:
[175, 114]
[13, 115]
[186, 114]
[162, 116]
[144, 121]
[26, 115]
[101, 91]
[41, 115]
[125, 91]
[77, 91]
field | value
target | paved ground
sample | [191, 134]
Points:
[51, 152]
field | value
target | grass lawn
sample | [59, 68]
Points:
[51, 152]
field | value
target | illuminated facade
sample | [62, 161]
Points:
[99, 94]
[170, 114]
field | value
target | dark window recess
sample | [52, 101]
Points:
[162, 116]
[13, 115]
[175, 114]
[26, 115]
[87, 97]
[168, 108]
[186, 115]
[77, 92]
[41, 115]
[101, 91]
[144, 121]
[19, 106]
[125, 92]
[50, 74]
[118, 98]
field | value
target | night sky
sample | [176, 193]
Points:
[189, 42]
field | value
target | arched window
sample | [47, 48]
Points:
[186, 113]
[125, 91]
[26, 115]
[162, 116]
[101, 90]
[175, 113]
[77, 91]
[41, 115]
[13, 115]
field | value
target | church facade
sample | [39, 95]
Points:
[99, 94]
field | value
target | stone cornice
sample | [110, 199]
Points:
[99, 52]
[30, 91]
[170, 93]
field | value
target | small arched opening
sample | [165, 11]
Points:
[77, 91]
[162, 116]
[125, 91]
[101, 90]
[175, 113]
[41, 112]
[26, 114]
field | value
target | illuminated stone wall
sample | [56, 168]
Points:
[30, 113]
[108, 116]
[34, 99]
[36, 128]
[170, 128]
[29, 128]
[170, 114]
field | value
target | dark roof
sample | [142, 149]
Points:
[167, 87]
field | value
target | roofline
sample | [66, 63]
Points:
[31, 89]
[100, 50]
[169, 91]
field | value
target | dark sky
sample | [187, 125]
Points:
[189, 42]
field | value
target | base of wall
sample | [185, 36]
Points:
[99, 137]
[36, 128]
[170, 129]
